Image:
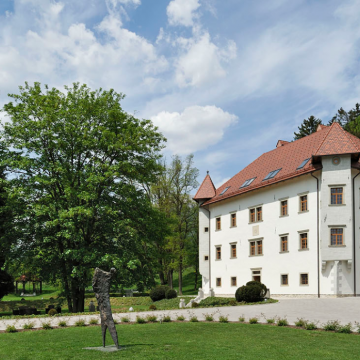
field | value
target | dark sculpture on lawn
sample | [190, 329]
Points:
[101, 286]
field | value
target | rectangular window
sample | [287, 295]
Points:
[303, 241]
[304, 279]
[284, 208]
[206, 257]
[233, 281]
[233, 251]
[303, 203]
[337, 237]
[255, 214]
[218, 253]
[336, 196]
[256, 247]
[206, 229]
[233, 220]
[218, 282]
[218, 223]
[284, 279]
[284, 243]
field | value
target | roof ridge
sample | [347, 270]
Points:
[350, 136]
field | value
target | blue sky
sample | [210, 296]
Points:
[223, 79]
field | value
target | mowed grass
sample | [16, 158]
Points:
[183, 341]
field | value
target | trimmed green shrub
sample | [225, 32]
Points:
[140, 320]
[46, 326]
[94, 321]
[232, 302]
[180, 318]
[171, 294]
[166, 318]
[52, 312]
[62, 323]
[152, 307]
[209, 317]
[250, 293]
[282, 322]
[253, 320]
[151, 318]
[345, 329]
[215, 301]
[194, 319]
[242, 318]
[158, 293]
[28, 326]
[310, 326]
[80, 323]
[333, 325]
[270, 321]
[300, 322]
[194, 305]
[223, 319]
[125, 319]
[257, 283]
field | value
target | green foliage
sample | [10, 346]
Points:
[270, 321]
[158, 293]
[94, 321]
[125, 319]
[10, 329]
[166, 318]
[242, 318]
[282, 322]
[62, 323]
[252, 292]
[253, 320]
[152, 307]
[232, 302]
[52, 312]
[310, 325]
[140, 320]
[223, 319]
[345, 329]
[193, 318]
[6, 283]
[80, 323]
[215, 301]
[46, 326]
[151, 318]
[331, 325]
[300, 322]
[209, 317]
[308, 127]
[77, 163]
[28, 326]
[194, 305]
[171, 294]
[180, 318]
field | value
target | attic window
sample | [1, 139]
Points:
[247, 182]
[303, 164]
[272, 174]
[224, 191]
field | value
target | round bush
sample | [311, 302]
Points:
[250, 293]
[152, 307]
[158, 293]
[258, 283]
[52, 312]
[171, 294]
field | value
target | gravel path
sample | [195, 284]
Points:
[344, 310]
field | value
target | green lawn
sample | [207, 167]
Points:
[48, 292]
[183, 341]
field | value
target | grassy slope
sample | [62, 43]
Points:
[188, 282]
[183, 341]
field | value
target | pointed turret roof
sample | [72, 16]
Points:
[206, 190]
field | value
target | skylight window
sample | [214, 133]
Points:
[271, 174]
[303, 164]
[247, 182]
[225, 190]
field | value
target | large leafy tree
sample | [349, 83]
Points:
[77, 161]
[307, 127]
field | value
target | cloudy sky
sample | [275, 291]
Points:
[222, 79]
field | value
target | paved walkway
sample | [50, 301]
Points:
[344, 310]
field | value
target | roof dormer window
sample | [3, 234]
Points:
[272, 174]
[247, 182]
[225, 190]
[303, 164]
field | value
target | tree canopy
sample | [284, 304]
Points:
[76, 163]
[307, 127]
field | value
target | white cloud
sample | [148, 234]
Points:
[182, 12]
[129, 2]
[202, 62]
[196, 128]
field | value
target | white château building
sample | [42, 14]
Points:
[290, 219]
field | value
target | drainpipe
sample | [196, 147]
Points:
[318, 232]
[209, 249]
[354, 238]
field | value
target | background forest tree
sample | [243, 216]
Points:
[349, 120]
[76, 167]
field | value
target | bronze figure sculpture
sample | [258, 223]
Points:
[101, 285]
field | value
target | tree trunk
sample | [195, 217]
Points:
[196, 275]
[170, 278]
[78, 297]
[180, 276]
[161, 274]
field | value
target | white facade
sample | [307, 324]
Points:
[329, 269]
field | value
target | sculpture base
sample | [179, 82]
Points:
[110, 348]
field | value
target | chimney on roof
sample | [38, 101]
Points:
[281, 143]
[320, 127]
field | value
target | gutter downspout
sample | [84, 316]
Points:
[209, 249]
[354, 238]
[318, 232]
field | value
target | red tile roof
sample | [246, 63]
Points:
[328, 140]
[206, 190]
